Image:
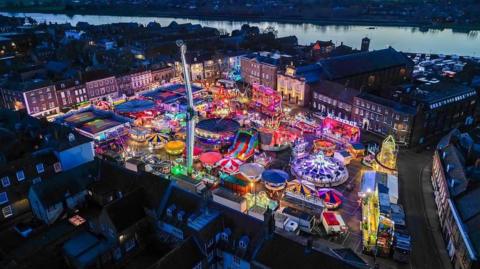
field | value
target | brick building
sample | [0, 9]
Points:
[100, 85]
[455, 177]
[260, 68]
[330, 98]
[70, 93]
[37, 97]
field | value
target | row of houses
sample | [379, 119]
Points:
[36, 151]
[41, 98]
[137, 220]
[455, 181]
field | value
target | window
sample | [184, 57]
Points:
[5, 181]
[20, 175]
[57, 167]
[7, 211]
[3, 198]
[40, 168]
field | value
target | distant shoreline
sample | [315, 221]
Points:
[213, 17]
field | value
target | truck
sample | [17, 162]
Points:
[402, 247]
[285, 223]
[306, 222]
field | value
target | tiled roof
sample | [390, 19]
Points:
[399, 107]
[127, 211]
[363, 62]
[280, 252]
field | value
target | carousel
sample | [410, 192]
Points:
[320, 170]
[275, 180]
[156, 141]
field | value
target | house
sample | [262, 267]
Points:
[455, 177]
[36, 152]
[124, 223]
[322, 49]
[273, 254]
[50, 199]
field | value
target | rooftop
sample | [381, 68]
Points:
[398, 107]
[280, 252]
[363, 62]
[440, 93]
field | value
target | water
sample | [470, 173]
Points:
[407, 39]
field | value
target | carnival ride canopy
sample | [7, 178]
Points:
[229, 165]
[275, 176]
[218, 125]
[135, 106]
[210, 158]
[302, 187]
[251, 171]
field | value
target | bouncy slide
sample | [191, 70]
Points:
[244, 145]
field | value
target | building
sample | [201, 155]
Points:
[260, 68]
[443, 106]
[384, 117]
[296, 83]
[100, 85]
[39, 98]
[455, 180]
[375, 70]
[134, 82]
[36, 152]
[322, 49]
[66, 191]
[330, 98]
[163, 74]
[71, 93]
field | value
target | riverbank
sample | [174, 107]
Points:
[244, 18]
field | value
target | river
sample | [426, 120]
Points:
[406, 39]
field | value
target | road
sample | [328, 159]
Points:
[417, 198]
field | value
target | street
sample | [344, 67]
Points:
[422, 222]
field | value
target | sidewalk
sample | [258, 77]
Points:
[431, 216]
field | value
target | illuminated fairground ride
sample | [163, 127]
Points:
[325, 146]
[340, 130]
[266, 100]
[216, 132]
[386, 159]
[277, 139]
[320, 170]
